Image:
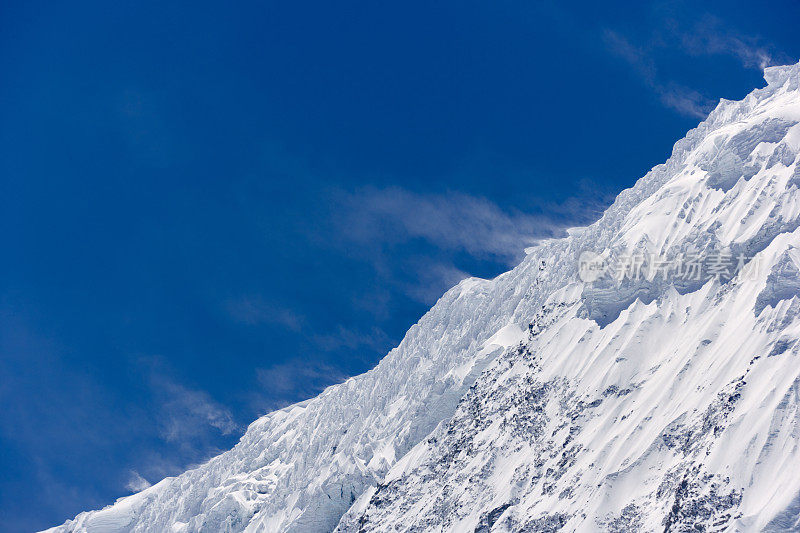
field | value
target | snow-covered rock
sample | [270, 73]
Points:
[539, 401]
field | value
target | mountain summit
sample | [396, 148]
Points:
[640, 374]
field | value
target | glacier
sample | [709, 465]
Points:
[538, 401]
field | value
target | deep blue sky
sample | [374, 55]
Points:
[210, 211]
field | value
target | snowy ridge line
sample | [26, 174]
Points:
[638, 405]
[462, 403]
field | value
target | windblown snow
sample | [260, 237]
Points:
[541, 402]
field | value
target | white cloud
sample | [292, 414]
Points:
[636, 57]
[185, 416]
[705, 36]
[673, 95]
[684, 100]
[431, 280]
[342, 337]
[451, 221]
[374, 224]
[136, 482]
[187, 413]
[709, 36]
[292, 381]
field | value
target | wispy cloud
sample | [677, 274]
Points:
[709, 36]
[682, 99]
[136, 482]
[374, 222]
[706, 36]
[685, 100]
[184, 416]
[187, 413]
[301, 378]
[292, 381]
[375, 339]
[254, 311]
[432, 279]
[451, 221]
[637, 57]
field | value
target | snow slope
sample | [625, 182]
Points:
[538, 402]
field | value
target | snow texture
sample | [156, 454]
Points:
[538, 402]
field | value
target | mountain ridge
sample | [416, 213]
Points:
[360, 454]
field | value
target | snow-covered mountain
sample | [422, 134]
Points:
[641, 374]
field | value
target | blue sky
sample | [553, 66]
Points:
[208, 212]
